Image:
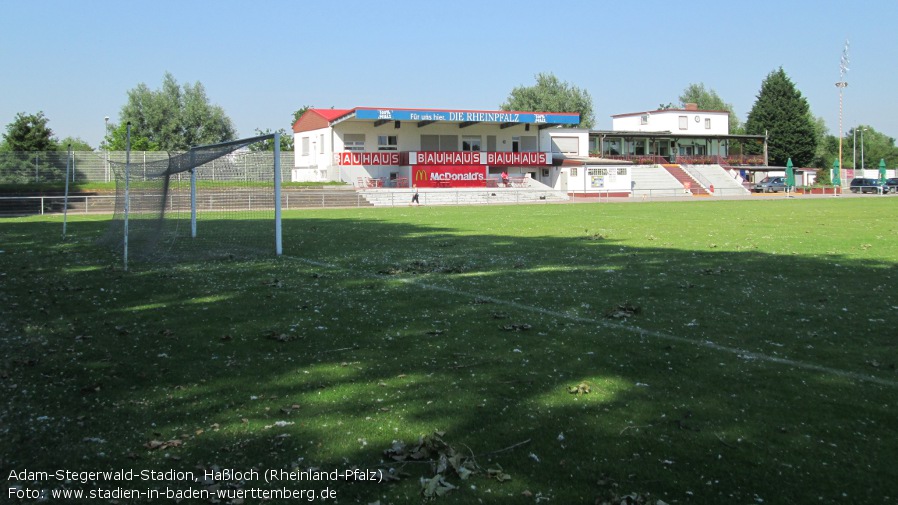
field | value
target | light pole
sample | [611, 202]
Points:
[106, 147]
[843, 67]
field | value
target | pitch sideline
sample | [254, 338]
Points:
[707, 344]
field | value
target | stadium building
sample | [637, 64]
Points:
[444, 148]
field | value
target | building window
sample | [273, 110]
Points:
[305, 146]
[707, 123]
[566, 145]
[644, 119]
[684, 122]
[597, 171]
[387, 142]
[354, 142]
[573, 171]
[321, 144]
[470, 143]
[622, 171]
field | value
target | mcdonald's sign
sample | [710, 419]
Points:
[452, 176]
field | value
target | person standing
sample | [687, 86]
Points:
[415, 196]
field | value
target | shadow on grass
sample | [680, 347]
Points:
[371, 332]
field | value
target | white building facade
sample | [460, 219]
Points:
[427, 147]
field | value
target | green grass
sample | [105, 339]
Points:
[758, 362]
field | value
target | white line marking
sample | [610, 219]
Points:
[707, 344]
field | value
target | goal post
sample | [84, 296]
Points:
[213, 201]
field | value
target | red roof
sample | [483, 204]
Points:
[314, 119]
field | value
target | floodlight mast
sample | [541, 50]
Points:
[278, 246]
[842, 84]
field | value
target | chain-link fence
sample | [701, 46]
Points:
[100, 166]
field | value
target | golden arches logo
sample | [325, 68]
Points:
[420, 175]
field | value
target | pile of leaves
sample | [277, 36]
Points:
[446, 462]
[424, 266]
[623, 311]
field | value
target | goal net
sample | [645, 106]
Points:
[218, 201]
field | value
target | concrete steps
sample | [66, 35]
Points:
[392, 197]
[716, 175]
[685, 179]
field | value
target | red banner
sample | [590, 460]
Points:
[473, 176]
[478, 158]
[497, 158]
[392, 158]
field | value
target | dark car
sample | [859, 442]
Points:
[865, 185]
[892, 185]
[770, 185]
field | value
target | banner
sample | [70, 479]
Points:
[478, 158]
[391, 158]
[473, 176]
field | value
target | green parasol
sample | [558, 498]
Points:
[882, 170]
[790, 174]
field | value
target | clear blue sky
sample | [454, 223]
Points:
[262, 60]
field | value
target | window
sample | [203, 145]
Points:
[597, 171]
[387, 142]
[305, 146]
[321, 144]
[470, 143]
[644, 119]
[707, 123]
[573, 171]
[566, 145]
[528, 144]
[684, 122]
[622, 171]
[354, 142]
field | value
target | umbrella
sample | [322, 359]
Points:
[790, 174]
[837, 177]
[882, 170]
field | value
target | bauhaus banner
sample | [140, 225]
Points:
[477, 158]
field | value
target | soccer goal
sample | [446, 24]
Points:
[219, 201]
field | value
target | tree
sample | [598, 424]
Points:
[708, 99]
[299, 112]
[268, 145]
[173, 118]
[117, 140]
[784, 114]
[876, 146]
[551, 95]
[77, 143]
[29, 132]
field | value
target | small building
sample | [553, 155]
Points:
[688, 135]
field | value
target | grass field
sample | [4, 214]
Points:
[735, 352]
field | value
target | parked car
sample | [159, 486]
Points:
[865, 185]
[892, 185]
[770, 185]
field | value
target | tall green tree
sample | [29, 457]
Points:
[708, 99]
[117, 140]
[783, 113]
[552, 95]
[876, 146]
[77, 143]
[29, 132]
[174, 118]
[268, 145]
[26, 137]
